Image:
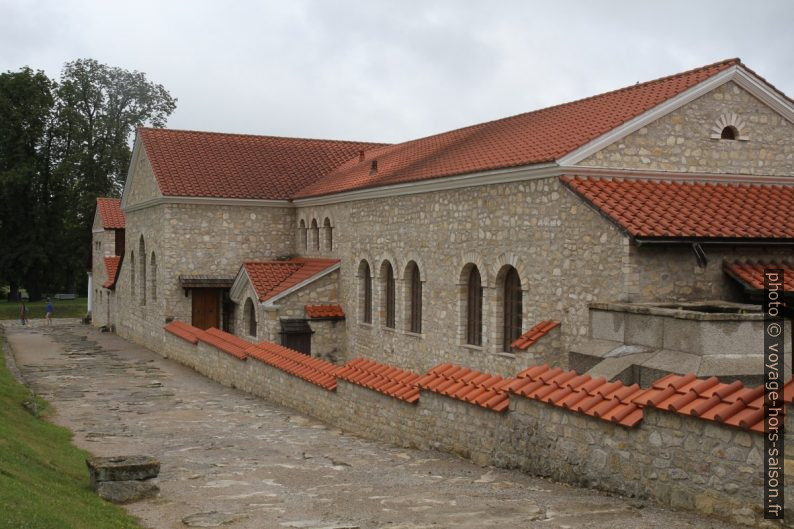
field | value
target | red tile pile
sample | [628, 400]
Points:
[228, 343]
[183, 330]
[528, 339]
[313, 370]
[709, 399]
[271, 278]
[610, 401]
[112, 263]
[474, 387]
[679, 209]
[751, 273]
[110, 213]
[383, 378]
[324, 311]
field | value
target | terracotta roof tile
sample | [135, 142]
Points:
[535, 137]
[208, 164]
[183, 330]
[324, 311]
[609, 401]
[461, 383]
[313, 370]
[271, 278]
[112, 266]
[750, 273]
[383, 378]
[697, 210]
[110, 213]
[709, 399]
[223, 341]
[528, 339]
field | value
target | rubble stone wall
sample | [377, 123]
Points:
[678, 461]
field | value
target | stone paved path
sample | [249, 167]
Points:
[232, 459]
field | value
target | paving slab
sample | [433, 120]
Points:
[232, 460]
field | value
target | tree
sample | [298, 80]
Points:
[99, 109]
[61, 146]
[26, 102]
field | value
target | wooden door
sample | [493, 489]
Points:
[205, 307]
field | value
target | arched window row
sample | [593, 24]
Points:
[143, 274]
[313, 236]
[509, 306]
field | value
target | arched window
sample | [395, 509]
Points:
[387, 290]
[474, 307]
[512, 307]
[142, 257]
[729, 133]
[414, 297]
[315, 235]
[249, 315]
[365, 292]
[303, 235]
[132, 274]
[329, 235]
[154, 276]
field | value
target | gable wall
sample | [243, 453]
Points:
[106, 239]
[566, 254]
[680, 141]
[193, 239]
[143, 185]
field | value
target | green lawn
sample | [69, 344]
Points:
[67, 308]
[43, 477]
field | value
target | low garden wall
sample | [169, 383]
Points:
[623, 439]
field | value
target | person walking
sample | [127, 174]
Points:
[48, 316]
[23, 313]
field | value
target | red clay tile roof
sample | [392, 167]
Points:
[709, 399]
[110, 213]
[183, 330]
[474, 387]
[691, 210]
[271, 278]
[112, 267]
[324, 311]
[535, 137]
[223, 341]
[609, 401]
[751, 273]
[209, 164]
[383, 378]
[313, 370]
[528, 339]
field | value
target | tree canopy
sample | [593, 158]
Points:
[62, 144]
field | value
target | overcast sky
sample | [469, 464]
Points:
[391, 71]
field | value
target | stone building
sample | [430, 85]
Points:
[629, 218]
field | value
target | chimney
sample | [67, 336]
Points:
[374, 167]
[360, 156]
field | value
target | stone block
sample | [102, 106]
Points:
[607, 325]
[644, 329]
[121, 468]
[127, 491]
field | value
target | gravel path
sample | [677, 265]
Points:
[238, 461]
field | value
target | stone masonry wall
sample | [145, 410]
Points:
[144, 184]
[678, 461]
[670, 272]
[565, 253]
[103, 244]
[192, 239]
[681, 140]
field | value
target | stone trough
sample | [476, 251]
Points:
[124, 479]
